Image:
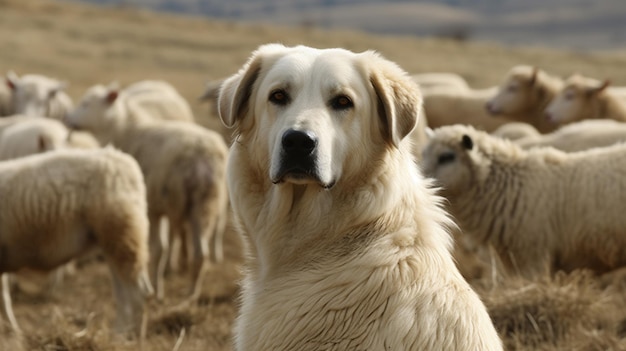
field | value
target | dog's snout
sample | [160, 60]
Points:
[299, 142]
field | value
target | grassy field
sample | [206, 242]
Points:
[86, 45]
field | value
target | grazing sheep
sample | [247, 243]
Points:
[82, 140]
[184, 166]
[586, 98]
[428, 81]
[516, 131]
[579, 136]
[535, 207]
[159, 99]
[59, 205]
[32, 135]
[141, 102]
[524, 96]
[6, 99]
[444, 106]
[39, 96]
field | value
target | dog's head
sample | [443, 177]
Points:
[310, 115]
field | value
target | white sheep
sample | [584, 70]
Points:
[524, 95]
[516, 131]
[445, 106]
[586, 98]
[428, 81]
[184, 166]
[39, 96]
[579, 136]
[31, 135]
[159, 99]
[535, 207]
[58, 205]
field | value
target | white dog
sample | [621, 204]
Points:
[347, 242]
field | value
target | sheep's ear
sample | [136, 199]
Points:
[211, 91]
[599, 88]
[533, 76]
[234, 94]
[60, 87]
[43, 144]
[111, 96]
[12, 80]
[399, 100]
[467, 142]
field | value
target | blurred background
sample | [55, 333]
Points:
[579, 25]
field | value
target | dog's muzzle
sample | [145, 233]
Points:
[298, 157]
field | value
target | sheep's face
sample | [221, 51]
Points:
[450, 161]
[578, 100]
[92, 113]
[568, 106]
[513, 97]
[32, 94]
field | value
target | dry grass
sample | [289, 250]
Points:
[86, 45]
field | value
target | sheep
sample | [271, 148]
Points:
[428, 81]
[579, 136]
[184, 166]
[524, 95]
[38, 96]
[535, 207]
[160, 99]
[60, 204]
[31, 135]
[6, 99]
[586, 98]
[516, 131]
[138, 103]
[22, 136]
[445, 106]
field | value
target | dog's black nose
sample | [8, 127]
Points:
[299, 142]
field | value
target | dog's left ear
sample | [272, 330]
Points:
[399, 99]
[234, 95]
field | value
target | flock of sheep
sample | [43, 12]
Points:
[534, 169]
[164, 174]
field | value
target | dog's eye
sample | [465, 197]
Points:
[279, 97]
[341, 102]
[446, 158]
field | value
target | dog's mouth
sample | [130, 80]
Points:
[300, 174]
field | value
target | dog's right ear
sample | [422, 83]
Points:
[234, 94]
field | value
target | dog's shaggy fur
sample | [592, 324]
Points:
[347, 246]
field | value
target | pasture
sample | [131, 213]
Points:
[86, 45]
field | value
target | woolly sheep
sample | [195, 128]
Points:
[579, 136]
[516, 131]
[31, 135]
[58, 205]
[138, 103]
[586, 98]
[38, 96]
[184, 166]
[524, 95]
[445, 106]
[533, 205]
[22, 136]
